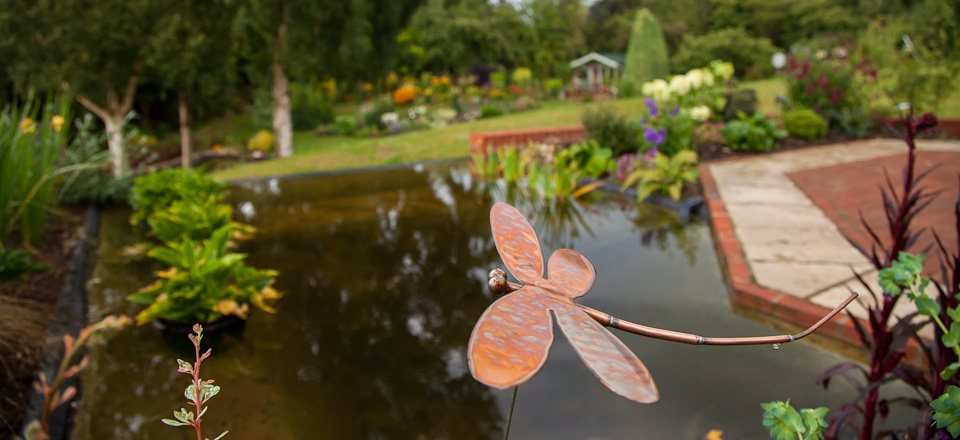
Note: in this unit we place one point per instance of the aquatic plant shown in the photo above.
(158, 190)
(204, 282)
(668, 175)
(199, 391)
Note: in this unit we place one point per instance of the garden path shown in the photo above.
(787, 225)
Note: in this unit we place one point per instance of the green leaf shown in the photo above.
(184, 366)
(221, 435)
(174, 422)
(782, 420)
(927, 306)
(945, 411)
(950, 370)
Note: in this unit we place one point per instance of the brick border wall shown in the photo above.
(485, 141)
(742, 287)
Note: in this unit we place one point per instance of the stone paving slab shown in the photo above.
(782, 253)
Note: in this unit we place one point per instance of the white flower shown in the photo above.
(700, 113)
(679, 85)
(658, 89)
(390, 118)
(903, 106)
(695, 78)
(821, 54)
(707, 78)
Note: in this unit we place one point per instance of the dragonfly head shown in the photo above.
(497, 282)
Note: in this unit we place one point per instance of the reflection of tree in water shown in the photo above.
(658, 226)
(383, 289)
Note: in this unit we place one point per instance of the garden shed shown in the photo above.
(593, 71)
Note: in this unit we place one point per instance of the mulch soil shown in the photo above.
(42, 290)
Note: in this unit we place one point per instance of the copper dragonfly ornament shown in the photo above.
(512, 338)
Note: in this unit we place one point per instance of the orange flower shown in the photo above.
(404, 94)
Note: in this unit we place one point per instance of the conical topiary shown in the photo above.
(647, 57)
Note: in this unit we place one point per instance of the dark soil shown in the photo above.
(37, 293)
(713, 151)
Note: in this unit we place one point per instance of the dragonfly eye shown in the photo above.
(497, 281)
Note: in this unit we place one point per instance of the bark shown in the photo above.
(282, 124)
(186, 147)
(113, 114)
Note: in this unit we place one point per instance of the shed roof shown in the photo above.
(612, 60)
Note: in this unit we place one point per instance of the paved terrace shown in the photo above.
(788, 229)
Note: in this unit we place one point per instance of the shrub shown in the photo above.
(610, 129)
(667, 176)
(668, 132)
(804, 123)
(647, 57)
(827, 86)
(490, 110)
(91, 184)
(158, 190)
(345, 125)
(752, 133)
(590, 157)
(372, 113)
(731, 44)
(309, 106)
(262, 141)
(204, 283)
(739, 101)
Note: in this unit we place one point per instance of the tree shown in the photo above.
(647, 52)
(315, 39)
(558, 32)
(192, 55)
(95, 50)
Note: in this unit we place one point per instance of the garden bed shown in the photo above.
(26, 307)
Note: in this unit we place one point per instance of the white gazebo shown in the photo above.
(593, 70)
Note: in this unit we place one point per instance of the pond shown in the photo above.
(384, 275)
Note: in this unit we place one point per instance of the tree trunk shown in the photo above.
(282, 125)
(183, 109)
(118, 155)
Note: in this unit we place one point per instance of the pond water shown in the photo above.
(385, 275)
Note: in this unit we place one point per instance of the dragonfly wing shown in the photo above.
(569, 273)
(510, 342)
(609, 359)
(517, 243)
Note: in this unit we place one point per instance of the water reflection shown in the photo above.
(385, 276)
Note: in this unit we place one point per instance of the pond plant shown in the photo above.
(203, 281)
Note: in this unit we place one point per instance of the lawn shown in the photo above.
(322, 153)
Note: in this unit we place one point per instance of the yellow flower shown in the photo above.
(27, 126)
(367, 87)
(57, 122)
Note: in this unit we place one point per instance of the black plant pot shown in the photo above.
(224, 324)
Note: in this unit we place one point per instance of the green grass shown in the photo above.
(314, 153)
(767, 92)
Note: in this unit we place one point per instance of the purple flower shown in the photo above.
(652, 105)
(655, 137)
(643, 122)
(676, 111)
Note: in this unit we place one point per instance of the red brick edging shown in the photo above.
(747, 293)
(482, 142)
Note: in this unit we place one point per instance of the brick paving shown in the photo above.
(781, 224)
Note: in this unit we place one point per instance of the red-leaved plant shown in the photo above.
(198, 392)
(886, 341)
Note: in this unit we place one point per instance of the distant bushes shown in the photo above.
(750, 55)
(647, 57)
(610, 129)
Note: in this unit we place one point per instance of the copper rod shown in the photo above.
(608, 320)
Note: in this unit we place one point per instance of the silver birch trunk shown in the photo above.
(186, 147)
(118, 154)
(282, 124)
